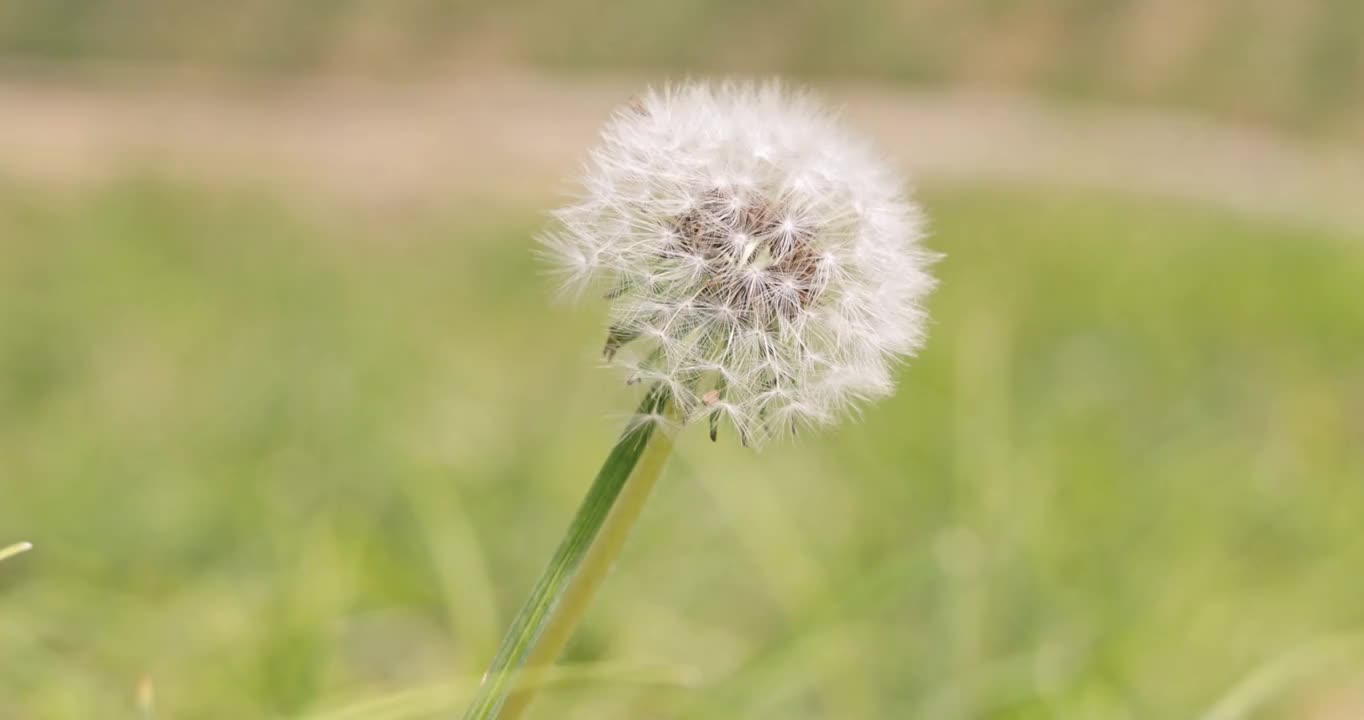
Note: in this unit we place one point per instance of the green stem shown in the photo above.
(592, 543)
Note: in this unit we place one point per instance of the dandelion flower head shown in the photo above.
(762, 265)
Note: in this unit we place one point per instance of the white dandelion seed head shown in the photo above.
(762, 264)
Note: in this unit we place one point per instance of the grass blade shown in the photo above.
(15, 549)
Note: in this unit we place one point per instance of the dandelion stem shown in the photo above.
(593, 541)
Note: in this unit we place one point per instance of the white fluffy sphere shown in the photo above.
(763, 265)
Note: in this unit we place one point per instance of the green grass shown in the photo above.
(1292, 63)
(288, 462)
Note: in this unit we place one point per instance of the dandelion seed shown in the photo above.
(750, 244)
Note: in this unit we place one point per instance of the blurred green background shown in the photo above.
(1297, 62)
(293, 451)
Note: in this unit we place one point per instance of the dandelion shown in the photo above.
(763, 270)
(762, 265)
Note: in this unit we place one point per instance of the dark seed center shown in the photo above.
(756, 263)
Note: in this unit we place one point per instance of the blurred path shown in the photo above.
(515, 137)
